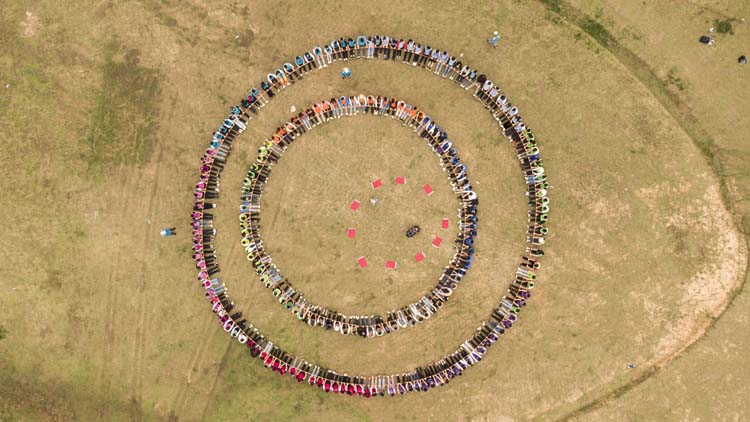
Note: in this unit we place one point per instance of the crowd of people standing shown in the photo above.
(445, 65)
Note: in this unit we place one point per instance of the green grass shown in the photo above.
(156, 7)
(674, 80)
(552, 5)
(8, 415)
(597, 31)
(99, 278)
(124, 119)
(724, 26)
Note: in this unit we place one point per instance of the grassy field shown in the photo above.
(642, 133)
(308, 202)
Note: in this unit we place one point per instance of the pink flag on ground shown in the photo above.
(355, 205)
(420, 256)
(427, 189)
(350, 232)
(445, 223)
(400, 180)
(362, 261)
(436, 242)
(390, 264)
(378, 183)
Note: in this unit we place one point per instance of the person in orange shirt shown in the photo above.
(285, 138)
(400, 110)
(414, 114)
(335, 108)
(318, 113)
(326, 109)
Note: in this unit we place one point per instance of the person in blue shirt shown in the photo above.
(427, 52)
(346, 73)
(494, 39)
(336, 48)
(262, 100)
(309, 61)
(434, 57)
(449, 67)
(172, 231)
(281, 76)
(442, 62)
(344, 49)
(290, 70)
(319, 57)
(361, 44)
(471, 79)
(351, 47)
(265, 86)
(417, 54)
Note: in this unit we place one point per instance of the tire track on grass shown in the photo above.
(139, 339)
(211, 391)
(180, 399)
(209, 328)
(105, 374)
(680, 112)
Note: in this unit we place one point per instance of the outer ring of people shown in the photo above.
(502, 317)
(367, 326)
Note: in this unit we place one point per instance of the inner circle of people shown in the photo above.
(502, 317)
(437, 139)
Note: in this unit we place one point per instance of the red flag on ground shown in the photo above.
(350, 232)
(355, 205)
(445, 223)
(427, 189)
(362, 261)
(436, 242)
(378, 183)
(420, 256)
(390, 264)
(400, 180)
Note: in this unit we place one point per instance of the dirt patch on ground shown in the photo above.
(30, 25)
(706, 293)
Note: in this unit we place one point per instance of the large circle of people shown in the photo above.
(410, 52)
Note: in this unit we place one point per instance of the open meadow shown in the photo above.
(643, 131)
